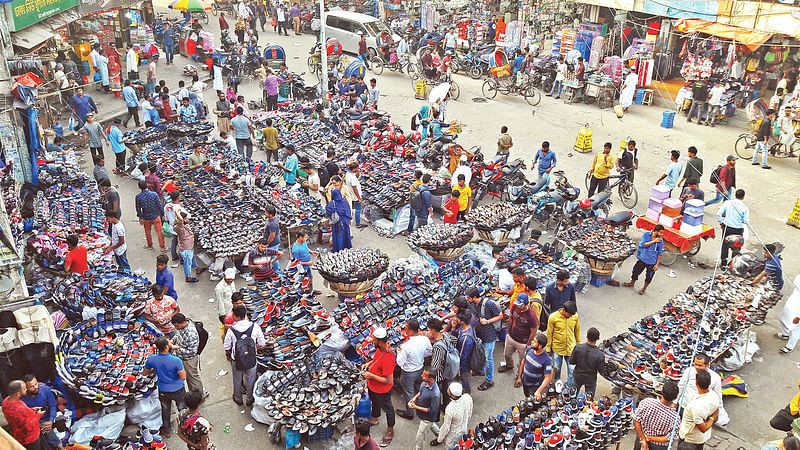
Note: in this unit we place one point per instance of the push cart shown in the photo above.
(603, 94)
(675, 242)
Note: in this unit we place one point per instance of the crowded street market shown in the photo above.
(399, 258)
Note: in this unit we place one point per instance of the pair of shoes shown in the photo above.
(505, 368)
(485, 385)
(238, 402)
(766, 167)
(785, 350)
(191, 280)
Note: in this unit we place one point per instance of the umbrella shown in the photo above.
(190, 5)
(439, 92)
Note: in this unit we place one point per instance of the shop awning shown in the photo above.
(749, 38)
(34, 35)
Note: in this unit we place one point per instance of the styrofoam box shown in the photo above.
(671, 212)
(652, 214)
(667, 221)
(673, 203)
(691, 230)
(692, 219)
(660, 191)
(694, 207)
(655, 204)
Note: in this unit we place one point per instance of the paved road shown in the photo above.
(771, 195)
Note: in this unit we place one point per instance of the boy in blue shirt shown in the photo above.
(650, 248)
(164, 277)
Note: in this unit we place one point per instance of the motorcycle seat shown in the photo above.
(540, 183)
(620, 217)
(599, 199)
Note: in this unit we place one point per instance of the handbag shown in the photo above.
(334, 218)
(166, 230)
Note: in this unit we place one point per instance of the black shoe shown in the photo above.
(754, 164)
(250, 402)
(238, 402)
(766, 167)
(405, 414)
(505, 368)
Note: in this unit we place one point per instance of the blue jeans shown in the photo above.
(276, 265)
(365, 59)
(149, 88)
(721, 196)
(169, 51)
(760, 145)
(558, 86)
(489, 349)
(357, 207)
(122, 262)
(174, 248)
(421, 220)
(557, 360)
(188, 262)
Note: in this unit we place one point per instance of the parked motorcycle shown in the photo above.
(750, 264)
(299, 90)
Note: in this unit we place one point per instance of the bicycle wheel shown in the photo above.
(205, 17)
(455, 91)
(745, 146)
(312, 65)
(532, 95)
(779, 150)
(628, 194)
(489, 88)
(214, 9)
(377, 65)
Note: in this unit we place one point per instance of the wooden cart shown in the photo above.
(675, 242)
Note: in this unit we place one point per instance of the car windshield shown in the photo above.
(376, 28)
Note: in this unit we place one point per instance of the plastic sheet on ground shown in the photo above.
(104, 423)
(146, 411)
(740, 354)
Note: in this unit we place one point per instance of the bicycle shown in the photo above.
(625, 189)
(507, 85)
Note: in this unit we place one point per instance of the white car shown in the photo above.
(347, 27)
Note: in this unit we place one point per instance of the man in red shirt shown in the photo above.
(23, 421)
(379, 374)
(451, 208)
(76, 260)
(236, 299)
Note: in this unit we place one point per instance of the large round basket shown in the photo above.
(601, 267)
(351, 289)
(486, 236)
(446, 255)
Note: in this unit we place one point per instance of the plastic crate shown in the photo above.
(659, 191)
(693, 219)
(694, 207)
(655, 204)
(667, 119)
(322, 434)
(653, 214)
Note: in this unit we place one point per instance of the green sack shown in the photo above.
(166, 230)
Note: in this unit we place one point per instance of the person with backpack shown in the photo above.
(536, 302)
(420, 203)
(242, 341)
(465, 344)
(536, 371)
(522, 327)
(186, 346)
(560, 291)
(170, 373)
(489, 319)
(445, 362)
(724, 179)
(379, 374)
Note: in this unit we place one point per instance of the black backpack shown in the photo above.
(324, 177)
(715, 175)
(202, 335)
(544, 315)
(245, 349)
(416, 199)
(477, 359)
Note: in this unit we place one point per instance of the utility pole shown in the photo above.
(323, 52)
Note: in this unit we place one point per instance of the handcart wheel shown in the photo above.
(455, 91)
(377, 65)
(696, 248)
(532, 95)
(668, 258)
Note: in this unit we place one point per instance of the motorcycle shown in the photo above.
(299, 90)
(478, 61)
(504, 181)
(747, 265)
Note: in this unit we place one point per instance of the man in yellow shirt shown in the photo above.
(464, 197)
(270, 137)
(563, 334)
(601, 169)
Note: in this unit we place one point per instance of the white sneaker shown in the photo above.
(175, 264)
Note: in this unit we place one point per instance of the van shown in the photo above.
(347, 27)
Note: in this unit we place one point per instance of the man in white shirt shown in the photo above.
(702, 362)
(118, 246)
(352, 182)
(558, 84)
(463, 169)
(714, 102)
(699, 416)
(243, 375)
(410, 358)
(132, 63)
(223, 293)
(244, 11)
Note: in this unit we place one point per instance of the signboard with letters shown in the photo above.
(24, 13)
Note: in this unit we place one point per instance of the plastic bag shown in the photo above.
(146, 411)
(71, 125)
(108, 424)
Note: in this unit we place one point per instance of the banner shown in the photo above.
(24, 13)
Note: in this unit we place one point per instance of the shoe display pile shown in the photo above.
(599, 240)
(49, 248)
(659, 346)
(139, 136)
(294, 323)
(102, 360)
(563, 420)
(69, 197)
(294, 207)
(543, 261)
(102, 288)
(441, 236)
(492, 216)
(392, 304)
(352, 265)
(312, 394)
(180, 129)
(310, 137)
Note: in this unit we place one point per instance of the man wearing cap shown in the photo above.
(456, 416)
(186, 342)
(379, 374)
(410, 358)
(223, 292)
(725, 181)
(536, 372)
(171, 375)
(563, 333)
(522, 326)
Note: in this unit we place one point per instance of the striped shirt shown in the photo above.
(438, 356)
(656, 418)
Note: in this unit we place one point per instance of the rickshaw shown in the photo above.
(501, 79)
(356, 68)
(222, 6)
(274, 56)
(334, 51)
(746, 144)
(419, 76)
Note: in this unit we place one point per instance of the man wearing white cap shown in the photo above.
(456, 416)
(463, 169)
(379, 374)
(223, 292)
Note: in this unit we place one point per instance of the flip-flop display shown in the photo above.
(49, 248)
(659, 346)
(544, 261)
(599, 240)
(352, 265)
(441, 236)
(493, 216)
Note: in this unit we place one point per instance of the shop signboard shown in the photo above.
(683, 9)
(25, 13)
(91, 6)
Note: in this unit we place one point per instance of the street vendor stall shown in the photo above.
(675, 242)
(603, 245)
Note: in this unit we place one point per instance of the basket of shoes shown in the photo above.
(443, 242)
(352, 268)
(494, 216)
(603, 245)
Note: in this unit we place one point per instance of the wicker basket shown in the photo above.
(446, 255)
(351, 289)
(600, 267)
(486, 236)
